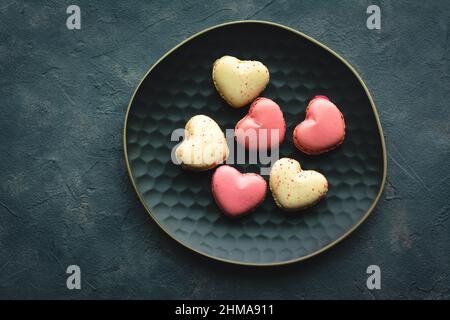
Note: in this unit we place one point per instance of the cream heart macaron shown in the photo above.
(293, 188)
(204, 145)
(239, 82)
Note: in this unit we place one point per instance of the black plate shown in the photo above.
(179, 86)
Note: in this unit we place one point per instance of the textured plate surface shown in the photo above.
(179, 86)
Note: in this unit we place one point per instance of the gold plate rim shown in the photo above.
(374, 109)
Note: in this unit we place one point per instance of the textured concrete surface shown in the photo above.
(65, 197)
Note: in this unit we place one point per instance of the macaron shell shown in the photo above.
(323, 128)
(239, 82)
(263, 114)
(236, 193)
(293, 188)
(204, 145)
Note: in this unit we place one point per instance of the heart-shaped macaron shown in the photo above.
(204, 145)
(323, 128)
(239, 82)
(263, 121)
(236, 193)
(293, 188)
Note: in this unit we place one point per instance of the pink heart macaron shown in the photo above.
(237, 193)
(263, 123)
(323, 128)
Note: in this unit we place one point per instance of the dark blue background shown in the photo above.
(65, 197)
